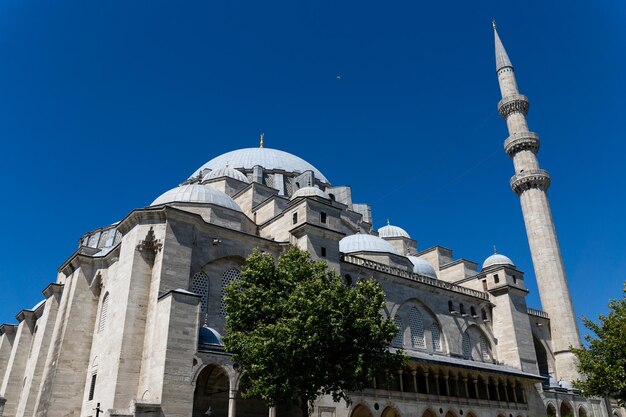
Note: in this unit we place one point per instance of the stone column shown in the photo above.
(7, 337)
(13, 381)
(272, 412)
(232, 402)
(414, 374)
(401, 381)
(427, 382)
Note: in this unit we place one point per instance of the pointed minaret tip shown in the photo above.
(262, 144)
(502, 59)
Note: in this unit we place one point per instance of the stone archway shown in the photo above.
(450, 414)
(582, 412)
(390, 412)
(361, 411)
(566, 409)
(551, 410)
(212, 387)
(429, 413)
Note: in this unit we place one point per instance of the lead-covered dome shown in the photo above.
(365, 243)
(497, 259)
(422, 267)
(268, 158)
(392, 231)
(225, 171)
(310, 192)
(196, 193)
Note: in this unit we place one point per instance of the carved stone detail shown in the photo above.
(150, 245)
(535, 178)
(512, 104)
(526, 141)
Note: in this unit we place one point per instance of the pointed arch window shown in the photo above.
(398, 341)
(228, 278)
(467, 346)
(416, 322)
(104, 311)
(200, 285)
(435, 332)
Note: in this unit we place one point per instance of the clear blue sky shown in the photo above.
(105, 105)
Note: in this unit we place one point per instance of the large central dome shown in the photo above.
(267, 158)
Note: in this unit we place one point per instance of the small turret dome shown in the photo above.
(365, 243)
(497, 259)
(310, 192)
(422, 267)
(226, 171)
(196, 193)
(209, 336)
(392, 231)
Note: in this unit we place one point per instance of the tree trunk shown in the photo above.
(304, 406)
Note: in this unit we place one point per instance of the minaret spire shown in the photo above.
(502, 58)
(531, 183)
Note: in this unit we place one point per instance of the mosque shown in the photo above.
(133, 324)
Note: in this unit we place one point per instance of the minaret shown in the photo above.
(531, 183)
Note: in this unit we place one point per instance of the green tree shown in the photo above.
(298, 332)
(603, 362)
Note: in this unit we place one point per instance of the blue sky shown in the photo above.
(105, 105)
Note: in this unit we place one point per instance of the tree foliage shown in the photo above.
(298, 332)
(603, 362)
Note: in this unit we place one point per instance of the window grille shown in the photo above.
(416, 322)
(92, 387)
(436, 334)
(467, 347)
(229, 277)
(104, 311)
(398, 341)
(200, 285)
(484, 349)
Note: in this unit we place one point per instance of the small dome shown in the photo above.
(226, 171)
(497, 259)
(209, 336)
(392, 231)
(422, 267)
(310, 192)
(365, 243)
(196, 193)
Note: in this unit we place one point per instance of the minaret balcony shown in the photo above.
(516, 103)
(530, 178)
(525, 141)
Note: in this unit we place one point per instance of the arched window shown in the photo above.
(483, 313)
(200, 285)
(467, 346)
(462, 309)
(436, 335)
(451, 307)
(416, 322)
(398, 341)
(348, 281)
(104, 311)
(485, 349)
(473, 311)
(229, 277)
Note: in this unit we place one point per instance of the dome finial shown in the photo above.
(388, 221)
(262, 139)
(493, 23)
(494, 250)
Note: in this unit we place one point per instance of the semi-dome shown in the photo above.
(268, 158)
(422, 267)
(196, 193)
(209, 336)
(392, 231)
(365, 243)
(310, 192)
(226, 171)
(497, 259)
